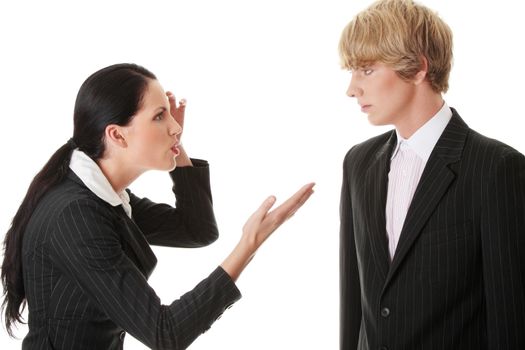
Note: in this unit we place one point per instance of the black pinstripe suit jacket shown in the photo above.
(86, 266)
(457, 280)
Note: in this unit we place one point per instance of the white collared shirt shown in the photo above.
(89, 172)
(406, 167)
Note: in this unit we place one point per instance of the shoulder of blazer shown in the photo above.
(491, 147)
(53, 204)
(69, 191)
(371, 146)
(363, 154)
(501, 148)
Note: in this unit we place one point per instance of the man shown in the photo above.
(432, 213)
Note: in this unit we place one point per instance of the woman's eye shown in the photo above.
(367, 71)
(158, 116)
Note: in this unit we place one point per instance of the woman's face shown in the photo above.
(152, 135)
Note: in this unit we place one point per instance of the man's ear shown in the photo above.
(422, 73)
(115, 136)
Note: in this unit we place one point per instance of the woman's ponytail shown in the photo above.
(51, 174)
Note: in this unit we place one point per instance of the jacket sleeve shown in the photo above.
(503, 253)
(86, 247)
(350, 290)
(192, 222)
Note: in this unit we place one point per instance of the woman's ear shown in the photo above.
(422, 73)
(115, 136)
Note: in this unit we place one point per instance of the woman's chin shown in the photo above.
(167, 165)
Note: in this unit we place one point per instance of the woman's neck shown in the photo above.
(118, 173)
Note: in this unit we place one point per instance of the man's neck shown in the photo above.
(424, 106)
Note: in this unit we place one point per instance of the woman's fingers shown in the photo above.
(265, 207)
(172, 100)
(258, 215)
(279, 215)
(177, 112)
(292, 204)
(300, 203)
(262, 222)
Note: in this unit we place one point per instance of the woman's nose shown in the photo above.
(175, 128)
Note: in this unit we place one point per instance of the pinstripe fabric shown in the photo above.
(457, 280)
(86, 265)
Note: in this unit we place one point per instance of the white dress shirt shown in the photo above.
(406, 166)
(89, 172)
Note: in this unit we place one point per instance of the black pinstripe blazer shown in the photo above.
(86, 266)
(457, 280)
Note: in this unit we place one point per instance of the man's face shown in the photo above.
(382, 94)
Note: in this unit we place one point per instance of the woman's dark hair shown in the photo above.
(111, 95)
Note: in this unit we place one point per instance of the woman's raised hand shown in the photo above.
(177, 111)
(263, 222)
(260, 225)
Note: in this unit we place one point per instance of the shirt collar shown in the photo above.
(422, 142)
(89, 172)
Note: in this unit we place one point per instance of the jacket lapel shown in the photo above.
(376, 190)
(134, 243)
(435, 180)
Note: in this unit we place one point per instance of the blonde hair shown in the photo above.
(399, 33)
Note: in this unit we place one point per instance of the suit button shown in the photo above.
(383, 348)
(385, 312)
(122, 335)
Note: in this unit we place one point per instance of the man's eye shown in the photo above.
(367, 71)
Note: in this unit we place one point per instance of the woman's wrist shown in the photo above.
(238, 259)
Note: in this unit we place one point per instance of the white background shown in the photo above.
(266, 107)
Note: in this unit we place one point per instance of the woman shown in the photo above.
(78, 249)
